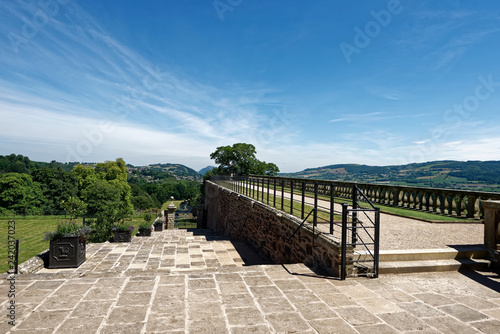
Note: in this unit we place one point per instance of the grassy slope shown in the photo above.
(31, 232)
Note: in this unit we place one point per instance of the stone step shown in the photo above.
(430, 260)
(404, 267)
(458, 252)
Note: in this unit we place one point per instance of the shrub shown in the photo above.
(101, 229)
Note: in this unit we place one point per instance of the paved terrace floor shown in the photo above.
(180, 282)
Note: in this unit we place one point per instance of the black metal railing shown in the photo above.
(315, 203)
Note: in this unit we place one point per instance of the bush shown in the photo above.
(101, 229)
(145, 225)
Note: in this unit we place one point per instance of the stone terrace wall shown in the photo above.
(242, 218)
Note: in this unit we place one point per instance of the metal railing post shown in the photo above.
(377, 241)
(263, 191)
(354, 215)
(258, 187)
(282, 193)
(291, 197)
(274, 195)
(16, 259)
(303, 199)
(253, 188)
(332, 206)
(247, 186)
(343, 261)
(315, 217)
(268, 180)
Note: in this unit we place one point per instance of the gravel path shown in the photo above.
(407, 233)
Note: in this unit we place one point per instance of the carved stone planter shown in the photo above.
(144, 232)
(158, 225)
(66, 252)
(122, 236)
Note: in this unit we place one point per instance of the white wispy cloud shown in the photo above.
(356, 117)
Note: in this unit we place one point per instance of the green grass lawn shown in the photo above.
(30, 232)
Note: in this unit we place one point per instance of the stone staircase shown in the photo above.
(178, 251)
(471, 257)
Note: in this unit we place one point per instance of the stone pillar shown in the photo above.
(491, 224)
(200, 216)
(170, 215)
(471, 206)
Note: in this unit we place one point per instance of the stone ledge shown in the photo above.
(33, 265)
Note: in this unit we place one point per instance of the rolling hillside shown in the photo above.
(470, 175)
(163, 171)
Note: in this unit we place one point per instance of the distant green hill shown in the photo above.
(469, 175)
(20, 164)
(203, 171)
(164, 171)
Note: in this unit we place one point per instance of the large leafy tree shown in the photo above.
(57, 186)
(105, 190)
(18, 193)
(241, 159)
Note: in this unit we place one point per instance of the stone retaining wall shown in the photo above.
(242, 218)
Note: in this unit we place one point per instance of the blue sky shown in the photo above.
(309, 83)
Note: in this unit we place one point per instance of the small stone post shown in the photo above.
(491, 224)
(492, 232)
(170, 214)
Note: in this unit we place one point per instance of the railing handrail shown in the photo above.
(451, 202)
(495, 194)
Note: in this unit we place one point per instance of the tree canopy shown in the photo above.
(240, 159)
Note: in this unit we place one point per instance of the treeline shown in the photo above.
(20, 164)
(481, 171)
(28, 187)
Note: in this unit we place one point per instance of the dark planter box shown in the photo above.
(158, 226)
(66, 252)
(122, 236)
(144, 232)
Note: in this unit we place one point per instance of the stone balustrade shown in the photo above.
(451, 202)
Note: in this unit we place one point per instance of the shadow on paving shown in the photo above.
(251, 255)
(486, 278)
(248, 252)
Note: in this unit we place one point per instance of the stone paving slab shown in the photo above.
(108, 295)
